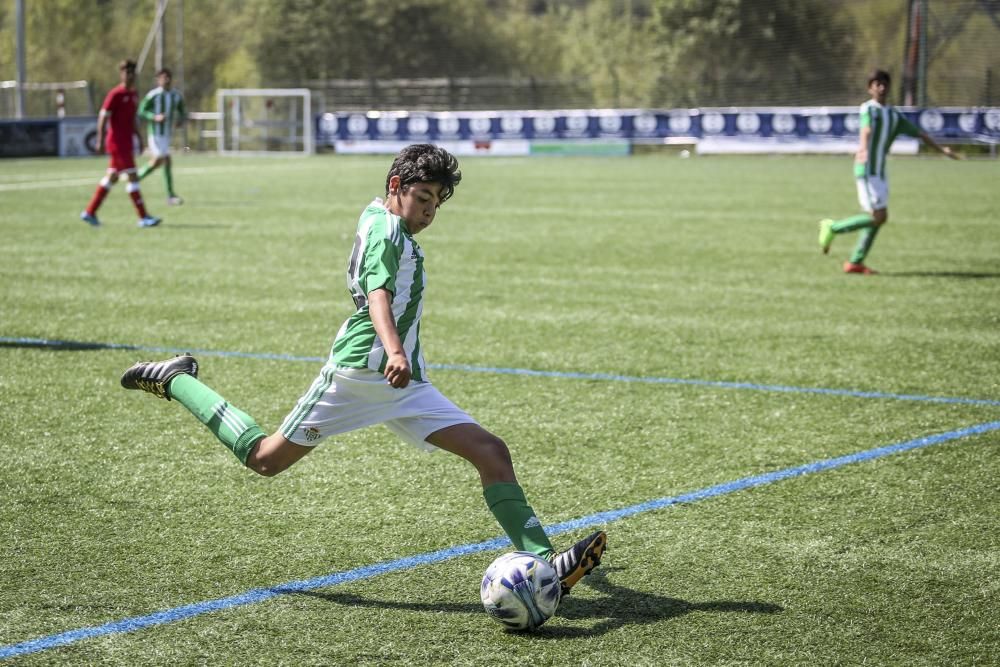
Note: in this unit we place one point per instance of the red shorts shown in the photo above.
(122, 158)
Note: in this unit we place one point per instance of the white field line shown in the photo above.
(22, 184)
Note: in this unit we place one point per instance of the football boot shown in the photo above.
(155, 376)
(577, 561)
(851, 267)
(826, 235)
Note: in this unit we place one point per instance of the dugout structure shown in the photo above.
(265, 121)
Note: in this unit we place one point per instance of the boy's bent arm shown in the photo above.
(397, 367)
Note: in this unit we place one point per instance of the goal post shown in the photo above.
(265, 121)
(47, 99)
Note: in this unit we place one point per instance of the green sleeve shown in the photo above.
(907, 127)
(865, 117)
(381, 262)
(146, 108)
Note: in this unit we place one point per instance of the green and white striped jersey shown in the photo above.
(168, 102)
(886, 123)
(384, 255)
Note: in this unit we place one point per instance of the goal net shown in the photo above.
(47, 99)
(256, 121)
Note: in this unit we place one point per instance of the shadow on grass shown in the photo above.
(620, 607)
(62, 345)
(965, 275)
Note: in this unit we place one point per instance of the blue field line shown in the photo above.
(499, 370)
(261, 594)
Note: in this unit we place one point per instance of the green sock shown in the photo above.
(144, 171)
(168, 177)
(864, 244)
(233, 427)
(507, 503)
(859, 221)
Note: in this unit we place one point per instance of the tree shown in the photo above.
(603, 46)
(743, 52)
(325, 39)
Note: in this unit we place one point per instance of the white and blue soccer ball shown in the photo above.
(520, 590)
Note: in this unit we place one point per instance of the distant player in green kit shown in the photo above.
(376, 372)
(880, 125)
(163, 110)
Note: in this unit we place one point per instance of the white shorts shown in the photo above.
(159, 145)
(346, 399)
(873, 193)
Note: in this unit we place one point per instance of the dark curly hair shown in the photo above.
(425, 163)
(879, 75)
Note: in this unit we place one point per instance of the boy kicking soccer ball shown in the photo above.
(880, 125)
(376, 372)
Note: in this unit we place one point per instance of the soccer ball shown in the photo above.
(520, 590)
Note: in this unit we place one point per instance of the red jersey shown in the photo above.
(121, 104)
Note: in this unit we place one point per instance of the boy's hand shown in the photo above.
(397, 370)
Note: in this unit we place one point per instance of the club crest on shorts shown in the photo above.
(312, 433)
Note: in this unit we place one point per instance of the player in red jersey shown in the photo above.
(118, 113)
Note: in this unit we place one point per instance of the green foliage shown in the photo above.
(239, 70)
(749, 52)
(317, 39)
(627, 71)
(220, 44)
(624, 53)
(67, 42)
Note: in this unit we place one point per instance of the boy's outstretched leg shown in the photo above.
(177, 379)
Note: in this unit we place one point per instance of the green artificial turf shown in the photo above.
(675, 316)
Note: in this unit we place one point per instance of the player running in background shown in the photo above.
(376, 372)
(118, 114)
(880, 125)
(163, 109)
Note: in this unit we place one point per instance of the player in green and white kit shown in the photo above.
(880, 125)
(162, 109)
(376, 373)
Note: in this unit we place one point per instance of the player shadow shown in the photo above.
(962, 275)
(618, 607)
(63, 345)
(351, 600)
(622, 606)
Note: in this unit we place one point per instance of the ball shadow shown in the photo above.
(618, 607)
